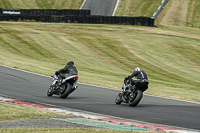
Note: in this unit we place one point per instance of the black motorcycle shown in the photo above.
(64, 87)
(132, 94)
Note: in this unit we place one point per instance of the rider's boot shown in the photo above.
(129, 90)
(123, 90)
(133, 87)
(59, 82)
(75, 87)
(58, 85)
(131, 95)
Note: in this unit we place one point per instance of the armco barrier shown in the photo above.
(157, 12)
(69, 16)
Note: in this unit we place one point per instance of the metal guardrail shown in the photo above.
(156, 13)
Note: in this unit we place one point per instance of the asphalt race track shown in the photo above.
(100, 7)
(33, 88)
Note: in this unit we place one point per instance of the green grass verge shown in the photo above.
(136, 8)
(14, 112)
(176, 13)
(41, 4)
(180, 13)
(10, 112)
(105, 54)
(193, 15)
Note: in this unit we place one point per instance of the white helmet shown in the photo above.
(137, 69)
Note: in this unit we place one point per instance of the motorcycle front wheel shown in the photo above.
(118, 99)
(137, 96)
(50, 91)
(66, 91)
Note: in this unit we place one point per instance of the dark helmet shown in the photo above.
(70, 63)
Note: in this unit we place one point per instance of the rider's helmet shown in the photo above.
(70, 63)
(137, 69)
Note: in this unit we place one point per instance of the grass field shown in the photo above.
(180, 13)
(41, 4)
(135, 8)
(105, 54)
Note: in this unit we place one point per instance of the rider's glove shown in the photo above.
(56, 73)
(125, 78)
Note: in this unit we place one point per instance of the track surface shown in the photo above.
(31, 87)
(100, 7)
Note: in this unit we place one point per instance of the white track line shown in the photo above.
(83, 4)
(115, 7)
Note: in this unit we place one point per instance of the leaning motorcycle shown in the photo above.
(132, 94)
(68, 85)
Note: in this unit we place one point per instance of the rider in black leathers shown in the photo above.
(141, 78)
(68, 70)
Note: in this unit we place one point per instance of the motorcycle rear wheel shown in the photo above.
(66, 92)
(138, 94)
(118, 99)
